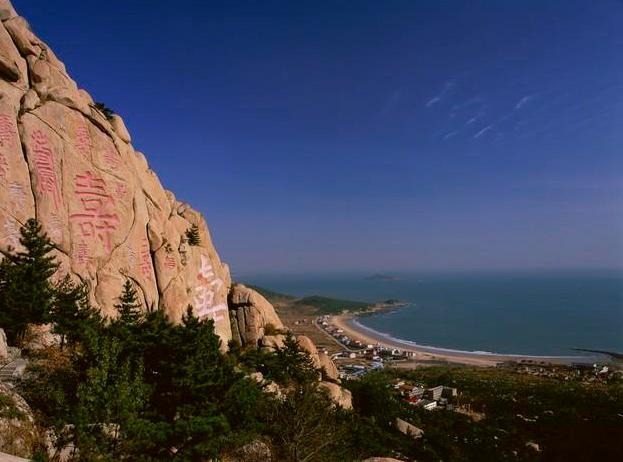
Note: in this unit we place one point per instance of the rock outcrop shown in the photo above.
(18, 432)
(252, 316)
(340, 396)
(68, 162)
(321, 360)
(408, 429)
(65, 163)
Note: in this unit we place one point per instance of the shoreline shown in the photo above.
(352, 328)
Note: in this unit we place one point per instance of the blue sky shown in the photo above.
(370, 135)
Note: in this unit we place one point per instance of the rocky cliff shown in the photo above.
(63, 161)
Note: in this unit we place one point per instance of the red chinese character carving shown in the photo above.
(97, 217)
(17, 195)
(83, 254)
(7, 130)
(145, 260)
(45, 169)
(83, 140)
(4, 167)
(111, 158)
(169, 262)
(120, 190)
(131, 254)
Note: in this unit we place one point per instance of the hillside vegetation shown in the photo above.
(322, 305)
(140, 388)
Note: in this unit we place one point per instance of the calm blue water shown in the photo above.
(538, 313)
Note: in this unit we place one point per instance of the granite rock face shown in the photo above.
(19, 434)
(65, 163)
(340, 396)
(251, 315)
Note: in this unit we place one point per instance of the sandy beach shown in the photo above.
(348, 323)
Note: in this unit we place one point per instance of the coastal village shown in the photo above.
(356, 359)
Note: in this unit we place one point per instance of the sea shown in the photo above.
(540, 313)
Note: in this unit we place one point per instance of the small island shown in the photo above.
(382, 277)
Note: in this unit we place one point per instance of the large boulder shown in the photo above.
(329, 367)
(65, 163)
(18, 432)
(255, 451)
(252, 316)
(320, 360)
(308, 346)
(340, 396)
(408, 429)
(272, 342)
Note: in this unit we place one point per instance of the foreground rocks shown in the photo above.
(252, 316)
(74, 168)
(408, 429)
(256, 451)
(18, 432)
(340, 396)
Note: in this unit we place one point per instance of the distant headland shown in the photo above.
(382, 277)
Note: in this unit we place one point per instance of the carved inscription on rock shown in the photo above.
(111, 157)
(45, 167)
(7, 131)
(83, 139)
(145, 265)
(4, 168)
(82, 253)
(97, 218)
(17, 196)
(204, 293)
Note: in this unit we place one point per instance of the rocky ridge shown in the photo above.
(66, 162)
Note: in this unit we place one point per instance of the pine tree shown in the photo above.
(108, 401)
(129, 309)
(192, 234)
(294, 362)
(73, 316)
(26, 293)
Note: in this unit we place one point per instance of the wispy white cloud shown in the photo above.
(523, 101)
(471, 121)
(432, 101)
(447, 87)
(450, 135)
(483, 131)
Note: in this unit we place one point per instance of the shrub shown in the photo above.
(108, 113)
(192, 234)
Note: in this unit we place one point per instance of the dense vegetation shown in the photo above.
(322, 305)
(140, 388)
(325, 305)
(569, 420)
